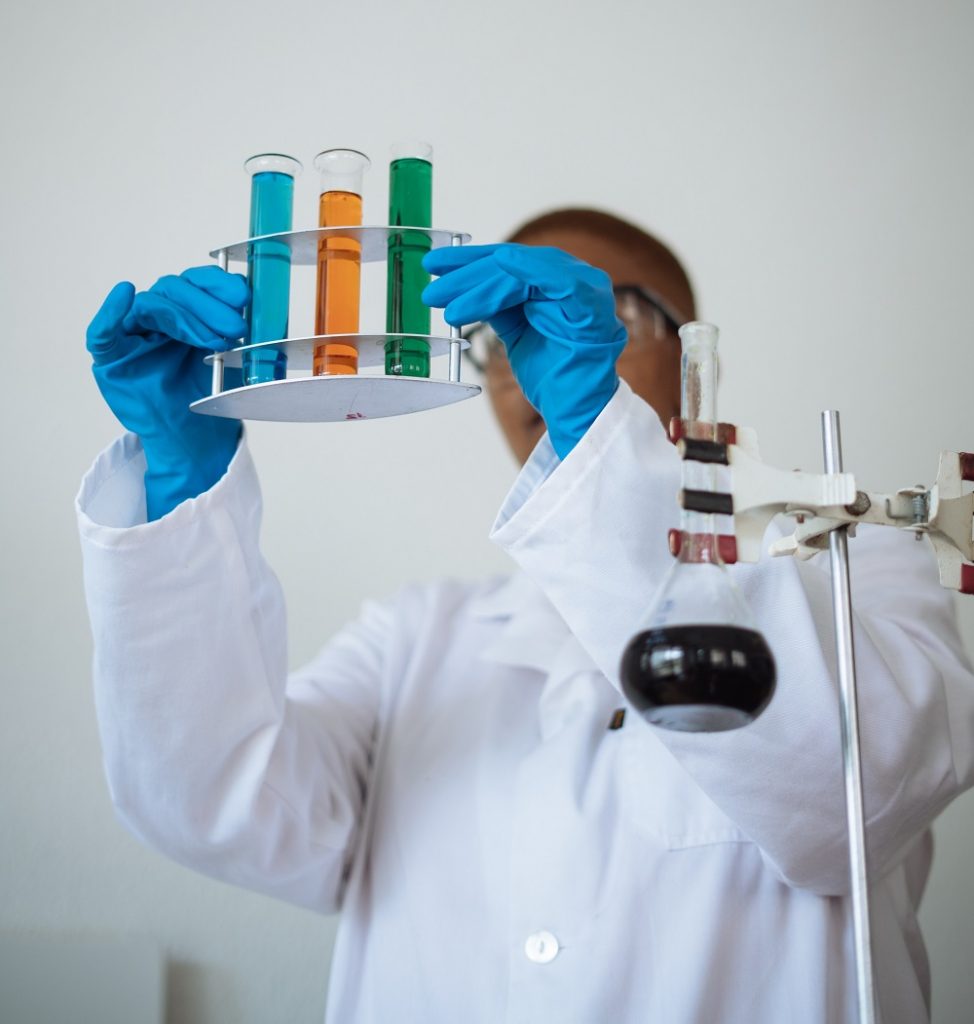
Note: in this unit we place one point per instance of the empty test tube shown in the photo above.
(410, 205)
(269, 263)
(339, 258)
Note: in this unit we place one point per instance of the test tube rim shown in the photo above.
(298, 166)
(406, 149)
(342, 149)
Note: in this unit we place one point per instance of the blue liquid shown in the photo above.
(269, 275)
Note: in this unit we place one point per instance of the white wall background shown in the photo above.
(813, 163)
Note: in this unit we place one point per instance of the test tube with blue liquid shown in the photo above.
(269, 263)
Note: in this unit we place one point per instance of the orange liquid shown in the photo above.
(339, 271)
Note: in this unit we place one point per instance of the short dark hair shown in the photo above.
(607, 225)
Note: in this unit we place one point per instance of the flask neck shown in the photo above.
(698, 409)
(699, 543)
(698, 380)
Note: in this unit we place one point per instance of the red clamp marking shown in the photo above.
(726, 432)
(967, 578)
(355, 416)
(726, 546)
(966, 465)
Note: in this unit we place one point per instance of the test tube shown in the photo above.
(269, 263)
(339, 258)
(411, 205)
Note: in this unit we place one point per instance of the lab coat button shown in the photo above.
(541, 948)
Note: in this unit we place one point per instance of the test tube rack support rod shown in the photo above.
(326, 398)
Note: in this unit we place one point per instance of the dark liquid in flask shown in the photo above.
(698, 678)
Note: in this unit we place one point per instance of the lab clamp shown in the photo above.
(823, 503)
(700, 664)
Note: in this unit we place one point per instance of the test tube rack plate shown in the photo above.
(330, 398)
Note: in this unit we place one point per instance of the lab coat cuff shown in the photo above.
(546, 482)
(593, 534)
(542, 462)
(110, 504)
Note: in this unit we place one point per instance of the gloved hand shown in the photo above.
(556, 317)
(148, 350)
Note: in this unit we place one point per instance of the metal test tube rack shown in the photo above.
(328, 398)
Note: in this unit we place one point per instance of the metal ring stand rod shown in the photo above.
(851, 748)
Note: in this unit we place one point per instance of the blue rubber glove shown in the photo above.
(556, 316)
(148, 351)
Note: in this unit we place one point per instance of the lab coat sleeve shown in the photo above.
(213, 755)
(591, 531)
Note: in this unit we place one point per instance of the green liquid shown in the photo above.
(410, 203)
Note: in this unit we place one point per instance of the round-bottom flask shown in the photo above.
(699, 664)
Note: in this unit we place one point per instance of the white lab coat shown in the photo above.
(443, 771)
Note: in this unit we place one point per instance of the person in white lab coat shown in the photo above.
(449, 771)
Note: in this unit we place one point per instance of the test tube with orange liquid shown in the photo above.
(339, 258)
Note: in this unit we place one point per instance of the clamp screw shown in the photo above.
(920, 504)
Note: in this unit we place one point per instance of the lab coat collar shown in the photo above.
(530, 634)
(534, 635)
(506, 596)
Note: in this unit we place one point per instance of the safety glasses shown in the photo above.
(648, 318)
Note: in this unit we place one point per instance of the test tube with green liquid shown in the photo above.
(410, 205)
(269, 263)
